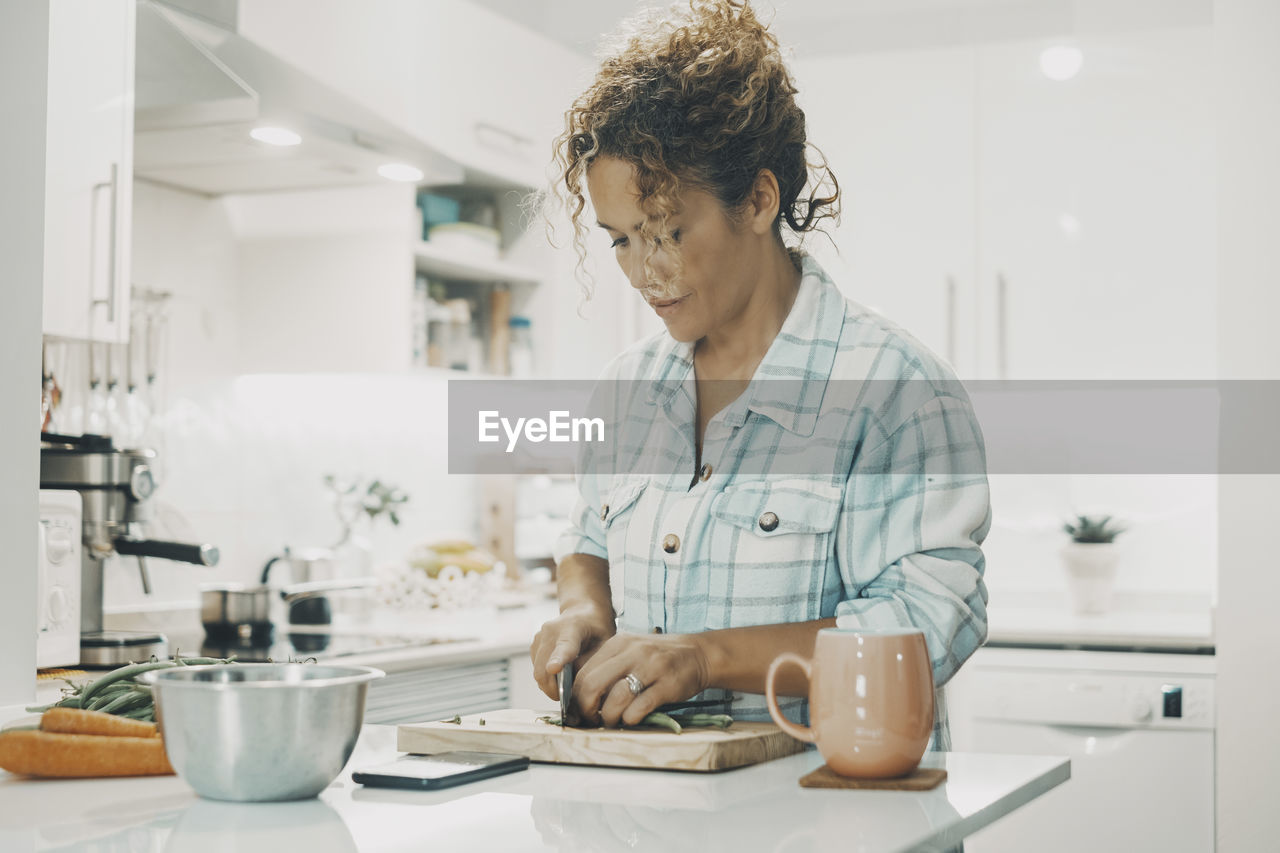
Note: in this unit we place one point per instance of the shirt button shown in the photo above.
(604, 512)
(768, 522)
(705, 473)
(671, 543)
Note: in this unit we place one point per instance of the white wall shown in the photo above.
(1248, 37)
(24, 37)
(244, 446)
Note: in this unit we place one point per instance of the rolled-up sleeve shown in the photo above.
(585, 534)
(917, 508)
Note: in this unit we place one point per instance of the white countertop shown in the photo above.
(760, 808)
(1148, 622)
(473, 634)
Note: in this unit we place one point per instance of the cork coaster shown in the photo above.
(920, 779)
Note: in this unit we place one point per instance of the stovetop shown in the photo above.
(283, 645)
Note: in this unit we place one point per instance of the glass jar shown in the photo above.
(459, 350)
(521, 347)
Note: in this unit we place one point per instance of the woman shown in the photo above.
(776, 503)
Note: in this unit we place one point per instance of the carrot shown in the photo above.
(36, 753)
(73, 721)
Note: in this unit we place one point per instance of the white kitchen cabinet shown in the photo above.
(486, 105)
(89, 169)
(1095, 210)
(897, 131)
(438, 692)
(466, 80)
(1026, 228)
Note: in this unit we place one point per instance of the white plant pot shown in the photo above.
(1091, 574)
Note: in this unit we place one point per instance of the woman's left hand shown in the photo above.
(671, 668)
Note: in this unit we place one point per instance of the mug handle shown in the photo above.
(799, 732)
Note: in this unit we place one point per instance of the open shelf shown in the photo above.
(444, 263)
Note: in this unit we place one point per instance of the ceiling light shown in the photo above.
(1061, 62)
(275, 136)
(400, 172)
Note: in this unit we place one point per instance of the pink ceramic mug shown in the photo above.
(870, 700)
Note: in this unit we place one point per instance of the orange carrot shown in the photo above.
(73, 721)
(37, 753)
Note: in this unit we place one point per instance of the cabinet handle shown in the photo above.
(951, 320)
(113, 185)
(1002, 326)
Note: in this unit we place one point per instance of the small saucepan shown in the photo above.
(235, 610)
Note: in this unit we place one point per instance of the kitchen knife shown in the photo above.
(700, 703)
(564, 681)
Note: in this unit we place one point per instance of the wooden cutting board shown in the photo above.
(519, 732)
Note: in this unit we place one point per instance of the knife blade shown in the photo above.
(564, 682)
(700, 703)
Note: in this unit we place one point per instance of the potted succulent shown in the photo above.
(1090, 559)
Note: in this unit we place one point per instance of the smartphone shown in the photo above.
(444, 770)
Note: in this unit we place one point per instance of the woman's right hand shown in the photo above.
(574, 635)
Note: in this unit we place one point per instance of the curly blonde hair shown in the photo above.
(697, 97)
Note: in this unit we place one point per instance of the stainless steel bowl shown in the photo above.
(260, 732)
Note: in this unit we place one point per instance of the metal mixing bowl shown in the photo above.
(260, 732)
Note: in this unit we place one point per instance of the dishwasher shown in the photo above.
(1138, 728)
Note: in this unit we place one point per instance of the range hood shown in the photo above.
(201, 87)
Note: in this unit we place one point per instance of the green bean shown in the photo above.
(719, 721)
(135, 669)
(665, 721)
(126, 701)
(201, 661)
(68, 700)
(107, 694)
(98, 695)
(119, 675)
(106, 697)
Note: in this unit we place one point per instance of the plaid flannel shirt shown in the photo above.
(860, 530)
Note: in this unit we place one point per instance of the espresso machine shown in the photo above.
(115, 487)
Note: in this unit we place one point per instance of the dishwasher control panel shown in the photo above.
(1092, 698)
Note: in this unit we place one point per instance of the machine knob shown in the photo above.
(1140, 710)
(58, 608)
(142, 483)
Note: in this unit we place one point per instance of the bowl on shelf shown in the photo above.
(466, 238)
(260, 732)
